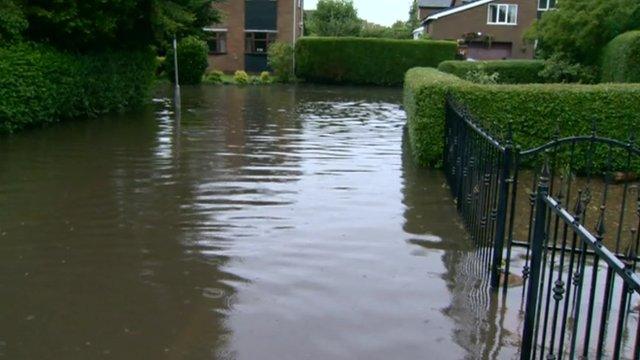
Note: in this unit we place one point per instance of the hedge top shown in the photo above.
(366, 60)
(510, 71)
(536, 111)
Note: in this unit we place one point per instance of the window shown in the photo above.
(258, 42)
(503, 14)
(544, 5)
(217, 41)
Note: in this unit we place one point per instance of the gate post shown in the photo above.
(501, 219)
(539, 235)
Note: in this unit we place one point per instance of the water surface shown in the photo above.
(268, 223)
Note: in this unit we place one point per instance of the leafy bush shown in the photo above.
(509, 71)
(241, 77)
(536, 111)
(214, 77)
(12, 21)
(192, 61)
(621, 59)
(480, 76)
(265, 77)
(40, 85)
(366, 61)
(280, 58)
(558, 69)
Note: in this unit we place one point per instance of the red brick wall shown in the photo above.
(233, 20)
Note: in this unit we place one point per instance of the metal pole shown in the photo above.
(539, 234)
(503, 198)
(177, 78)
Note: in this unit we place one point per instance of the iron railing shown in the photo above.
(578, 285)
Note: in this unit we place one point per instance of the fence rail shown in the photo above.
(579, 286)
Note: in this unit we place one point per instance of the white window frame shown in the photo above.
(498, 22)
(549, 7)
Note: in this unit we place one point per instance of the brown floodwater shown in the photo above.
(268, 223)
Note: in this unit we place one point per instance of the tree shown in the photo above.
(88, 25)
(335, 18)
(414, 16)
(578, 30)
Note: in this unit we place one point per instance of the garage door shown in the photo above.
(497, 51)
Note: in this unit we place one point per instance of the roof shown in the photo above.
(456, 10)
(434, 3)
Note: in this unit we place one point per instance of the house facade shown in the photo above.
(247, 29)
(486, 29)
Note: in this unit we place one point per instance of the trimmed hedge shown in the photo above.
(621, 59)
(366, 61)
(510, 71)
(40, 85)
(536, 111)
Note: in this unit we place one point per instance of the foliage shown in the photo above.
(557, 69)
(90, 25)
(399, 30)
(481, 76)
(414, 16)
(280, 58)
(537, 112)
(265, 77)
(213, 77)
(580, 29)
(12, 21)
(160, 66)
(366, 61)
(510, 71)
(40, 85)
(192, 61)
(334, 18)
(241, 77)
(621, 59)
(425, 90)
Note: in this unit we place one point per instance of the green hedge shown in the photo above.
(510, 71)
(621, 59)
(536, 111)
(192, 61)
(366, 61)
(40, 85)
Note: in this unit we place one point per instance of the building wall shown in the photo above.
(233, 13)
(454, 26)
(426, 11)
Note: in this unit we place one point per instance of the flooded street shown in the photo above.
(269, 223)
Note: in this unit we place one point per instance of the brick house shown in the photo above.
(248, 27)
(488, 29)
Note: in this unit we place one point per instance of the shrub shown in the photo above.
(265, 77)
(509, 71)
(366, 61)
(536, 111)
(40, 85)
(280, 58)
(621, 59)
(482, 77)
(241, 77)
(214, 77)
(558, 69)
(192, 61)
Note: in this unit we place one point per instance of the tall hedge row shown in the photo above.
(366, 61)
(536, 111)
(509, 71)
(621, 59)
(40, 85)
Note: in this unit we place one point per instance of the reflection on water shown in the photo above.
(272, 223)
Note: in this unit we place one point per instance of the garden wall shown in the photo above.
(366, 61)
(537, 112)
(40, 85)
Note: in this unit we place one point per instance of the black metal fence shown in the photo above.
(579, 287)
